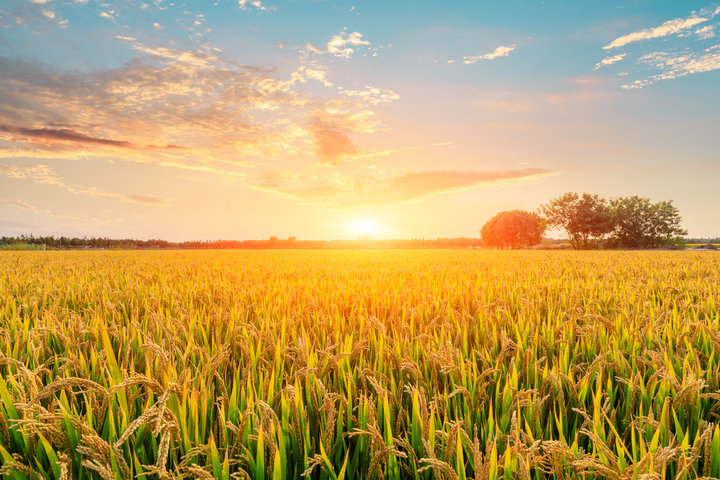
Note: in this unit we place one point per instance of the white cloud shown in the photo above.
(706, 32)
(49, 14)
(338, 44)
(609, 61)
(676, 65)
(247, 4)
(501, 51)
(371, 95)
(44, 175)
(668, 28)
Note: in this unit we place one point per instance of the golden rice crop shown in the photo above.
(359, 364)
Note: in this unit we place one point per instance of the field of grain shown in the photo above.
(359, 364)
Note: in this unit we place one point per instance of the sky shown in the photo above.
(332, 119)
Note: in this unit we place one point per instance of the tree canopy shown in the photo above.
(628, 222)
(583, 217)
(513, 229)
(639, 223)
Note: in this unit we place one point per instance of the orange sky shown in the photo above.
(330, 119)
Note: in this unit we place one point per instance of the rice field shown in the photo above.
(359, 364)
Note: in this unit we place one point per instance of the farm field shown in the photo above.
(395, 364)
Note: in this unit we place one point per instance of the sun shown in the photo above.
(364, 227)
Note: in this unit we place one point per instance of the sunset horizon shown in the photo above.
(325, 120)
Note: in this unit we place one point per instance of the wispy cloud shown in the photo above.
(44, 175)
(685, 50)
(371, 95)
(501, 51)
(19, 204)
(706, 32)
(66, 135)
(340, 45)
(22, 205)
(676, 65)
(252, 4)
(609, 61)
(332, 123)
(670, 27)
(369, 190)
(216, 110)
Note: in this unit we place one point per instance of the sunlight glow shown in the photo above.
(365, 227)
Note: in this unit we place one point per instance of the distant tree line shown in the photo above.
(69, 243)
(590, 221)
(702, 240)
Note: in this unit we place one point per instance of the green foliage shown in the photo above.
(632, 222)
(583, 217)
(639, 223)
(21, 246)
(513, 229)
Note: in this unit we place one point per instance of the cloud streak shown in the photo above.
(22, 205)
(340, 45)
(365, 190)
(676, 65)
(609, 61)
(670, 27)
(66, 135)
(42, 174)
(501, 51)
(19, 204)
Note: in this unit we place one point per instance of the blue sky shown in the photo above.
(203, 120)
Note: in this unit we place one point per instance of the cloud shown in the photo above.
(62, 135)
(183, 108)
(37, 173)
(332, 123)
(609, 61)
(248, 4)
(706, 32)
(371, 95)
(332, 143)
(201, 59)
(66, 135)
(42, 174)
(18, 204)
(670, 27)
(366, 190)
(676, 65)
(682, 56)
(340, 45)
(501, 51)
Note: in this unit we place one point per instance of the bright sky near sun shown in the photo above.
(333, 119)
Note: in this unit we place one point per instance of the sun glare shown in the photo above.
(365, 227)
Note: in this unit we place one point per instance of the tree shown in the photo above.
(639, 223)
(582, 217)
(513, 229)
